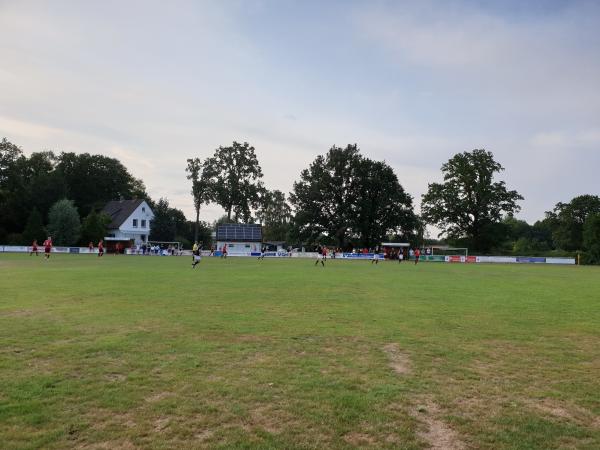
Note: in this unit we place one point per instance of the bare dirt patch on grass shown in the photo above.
(436, 433)
(359, 440)
(204, 435)
(161, 423)
(157, 397)
(398, 361)
(566, 412)
(115, 377)
(109, 445)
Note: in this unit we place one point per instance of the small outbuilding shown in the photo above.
(240, 238)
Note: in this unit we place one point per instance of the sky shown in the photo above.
(153, 83)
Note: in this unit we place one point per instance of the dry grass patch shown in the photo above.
(109, 445)
(398, 361)
(436, 433)
(359, 440)
(159, 396)
(566, 411)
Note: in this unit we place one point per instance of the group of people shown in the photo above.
(47, 247)
(322, 252)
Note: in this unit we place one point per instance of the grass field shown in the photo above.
(144, 352)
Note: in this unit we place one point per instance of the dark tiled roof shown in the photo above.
(120, 210)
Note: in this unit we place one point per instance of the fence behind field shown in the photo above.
(345, 256)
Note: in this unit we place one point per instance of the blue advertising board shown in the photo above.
(531, 260)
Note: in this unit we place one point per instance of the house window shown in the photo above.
(143, 209)
(143, 223)
(134, 223)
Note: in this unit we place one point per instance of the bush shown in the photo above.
(64, 225)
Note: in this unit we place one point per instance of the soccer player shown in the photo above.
(400, 256)
(321, 255)
(196, 255)
(34, 248)
(263, 250)
(375, 258)
(100, 248)
(417, 255)
(194, 249)
(47, 247)
(224, 251)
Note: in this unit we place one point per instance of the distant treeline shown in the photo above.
(343, 199)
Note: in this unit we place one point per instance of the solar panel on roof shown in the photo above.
(239, 232)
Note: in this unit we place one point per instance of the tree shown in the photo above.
(235, 178)
(202, 191)
(13, 187)
(94, 227)
(344, 196)
(274, 214)
(163, 226)
(567, 221)
(34, 229)
(469, 203)
(9, 155)
(63, 223)
(591, 239)
(324, 196)
(94, 180)
(382, 205)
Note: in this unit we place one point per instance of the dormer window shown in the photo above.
(143, 209)
(135, 223)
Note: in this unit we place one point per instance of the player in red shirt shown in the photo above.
(47, 247)
(100, 248)
(417, 255)
(224, 251)
(34, 248)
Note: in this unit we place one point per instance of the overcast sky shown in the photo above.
(153, 83)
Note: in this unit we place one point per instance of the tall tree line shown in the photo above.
(343, 198)
(30, 186)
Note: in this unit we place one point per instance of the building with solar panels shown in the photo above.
(241, 238)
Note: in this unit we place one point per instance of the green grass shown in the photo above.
(144, 352)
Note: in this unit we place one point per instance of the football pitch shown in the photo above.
(144, 352)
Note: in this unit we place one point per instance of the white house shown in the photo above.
(130, 221)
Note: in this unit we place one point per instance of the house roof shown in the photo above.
(120, 210)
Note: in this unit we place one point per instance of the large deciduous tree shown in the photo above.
(63, 223)
(274, 213)
(324, 196)
(235, 176)
(567, 221)
(382, 206)
(169, 224)
(202, 189)
(94, 180)
(470, 203)
(591, 239)
(345, 196)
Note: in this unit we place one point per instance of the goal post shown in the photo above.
(450, 251)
